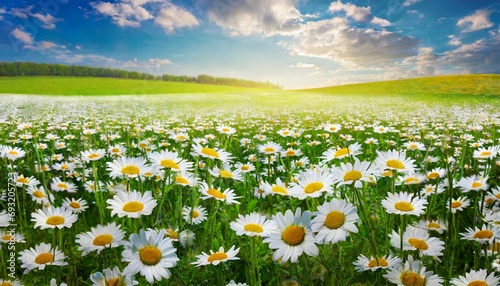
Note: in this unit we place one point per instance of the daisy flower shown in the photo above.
(413, 179)
(435, 173)
(245, 168)
(21, 181)
(99, 238)
(312, 184)
(293, 236)
(132, 204)
(486, 153)
(59, 186)
(117, 151)
(433, 225)
(186, 179)
(339, 153)
(39, 195)
(225, 172)
(53, 217)
(472, 183)
(92, 155)
(412, 273)
(111, 277)
(169, 160)
(334, 221)
(413, 146)
(227, 130)
(404, 204)
(348, 174)
(4, 218)
(150, 255)
(6, 237)
(394, 160)
(195, 215)
(290, 152)
(270, 148)
(279, 188)
(212, 153)
(419, 240)
(127, 168)
(227, 196)
(479, 278)
(187, 237)
(7, 282)
(486, 234)
(459, 204)
(364, 264)
(42, 255)
(253, 224)
(11, 153)
(215, 258)
(75, 205)
(334, 128)
(429, 190)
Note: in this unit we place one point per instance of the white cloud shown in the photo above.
(410, 2)
(245, 17)
(481, 56)
(156, 62)
(359, 14)
(47, 21)
(454, 41)
(174, 17)
(43, 45)
(122, 14)
(303, 65)
(23, 36)
(477, 21)
(2, 11)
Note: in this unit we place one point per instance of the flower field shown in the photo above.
(137, 192)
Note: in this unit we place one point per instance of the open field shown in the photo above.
(54, 85)
(262, 188)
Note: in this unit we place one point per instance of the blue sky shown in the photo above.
(295, 43)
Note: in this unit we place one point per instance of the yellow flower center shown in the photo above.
(195, 214)
(115, 150)
(352, 175)
(456, 204)
(62, 186)
(497, 196)
(172, 233)
(226, 174)
(103, 239)
(6, 283)
(181, 180)
(485, 153)
(477, 283)
(290, 153)
(113, 282)
(483, 234)
(341, 153)
(38, 194)
(395, 164)
(387, 173)
(94, 155)
(381, 262)
(216, 193)
(74, 205)
(13, 152)
(433, 225)
(150, 255)
(245, 167)
(167, 163)
(279, 190)
(432, 175)
(7, 237)
(55, 220)
(131, 170)
(217, 256)
(293, 235)
(225, 130)
(418, 243)
(23, 180)
(411, 180)
(313, 187)
(210, 152)
(64, 167)
(269, 149)
(132, 207)
(334, 219)
(410, 278)
(403, 206)
(44, 258)
(253, 227)
(477, 185)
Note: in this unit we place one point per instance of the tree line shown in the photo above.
(44, 69)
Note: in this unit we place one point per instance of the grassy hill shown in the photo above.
(487, 85)
(54, 85)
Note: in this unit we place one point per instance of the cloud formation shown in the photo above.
(46, 21)
(131, 13)
(359, 14)
(477, 21)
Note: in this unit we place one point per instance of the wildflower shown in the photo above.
(53, 218)
(111, 277)
(348, 173)
(127, 168)
(394, 160)
(339, 153)
(419, 240)
(334, 221)
(216, 257)
(312, 184)
(270, 148)
(364, 264)
(413, 272)
(227, 196)
(195, 215)
(253, 224)
(459, 204)
(474, 277)
(93, 154)
(169, 160)
(211, 153)
(59, 186)
(75, 205)
(99, 238)
(472, 183)
(42, 255)
(132, 204)
(404, 204)
(485, 234)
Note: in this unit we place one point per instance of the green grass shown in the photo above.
(52, 85)
(487, 85)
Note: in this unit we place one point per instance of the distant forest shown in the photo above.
(37, 69)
